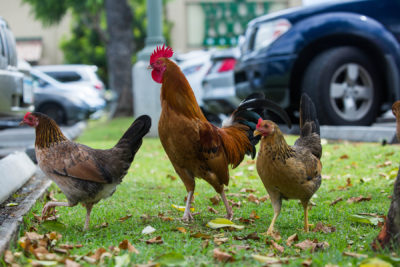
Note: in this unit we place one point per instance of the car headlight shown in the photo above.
(268, 32)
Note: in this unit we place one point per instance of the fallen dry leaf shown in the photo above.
(125, 245)
(306, 263)
(358, 199)
(320, 227)
(264, 198)
(291, 239)
(247, 190)
(219, 241)
(235, 204)
(71, 263)
(172, 177)
(253, 198)
(155, 240)
(253, 215)
(212, 210)
(246, 221)
(277, 246)
(354, 255)
(181, 229)
(215, 199)
(122, 219)
(103, 225)
(275, 235)
(222, 256)
(312, 245)
(200, 235)
(8, 257)
(385, 164)
(344, 156)
(205, 243)
(345, 187)
(336, 201)
(97, 255)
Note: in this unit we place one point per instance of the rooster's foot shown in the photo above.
(229, 216)
(187, 217)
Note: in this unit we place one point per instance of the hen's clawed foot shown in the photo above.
(47, 209)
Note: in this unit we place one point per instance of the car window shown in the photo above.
(12, 52)
(65, 76)
(2, 45)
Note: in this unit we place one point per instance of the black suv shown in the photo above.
(344, 54)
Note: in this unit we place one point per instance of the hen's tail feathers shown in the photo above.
(249, 111)
(309, 127)
(308, 114)
(135, 133)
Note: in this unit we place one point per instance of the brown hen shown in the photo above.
(85, 175)
(290, 172)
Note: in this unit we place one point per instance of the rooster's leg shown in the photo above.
(229, 213)
(50, 205)
(276, 201)
(305, 206)
(187, 216)
(88, 211)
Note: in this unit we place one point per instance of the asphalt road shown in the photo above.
(22, 138)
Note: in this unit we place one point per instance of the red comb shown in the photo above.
(26, 115)
(260, 120)
(161, 52)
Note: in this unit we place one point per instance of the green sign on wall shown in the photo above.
(225, 21)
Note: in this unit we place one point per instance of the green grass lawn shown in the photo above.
(149, 190)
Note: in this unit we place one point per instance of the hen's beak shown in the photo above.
(21, 123)
(256, 132)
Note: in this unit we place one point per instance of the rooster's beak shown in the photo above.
(149, 67)
(256, 132)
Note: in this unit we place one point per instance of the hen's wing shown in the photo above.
(78, 161)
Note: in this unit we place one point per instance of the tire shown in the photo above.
(345, 87)
(54, 111)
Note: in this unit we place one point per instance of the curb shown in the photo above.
(10, 224)
(15, 170)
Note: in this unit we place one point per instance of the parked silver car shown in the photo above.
(219, 97)
(65, 103)
(16, 97)
(75, 74)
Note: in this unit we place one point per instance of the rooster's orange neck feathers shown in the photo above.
(177, 93)
(48, 133)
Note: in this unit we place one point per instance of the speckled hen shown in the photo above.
(85, 175)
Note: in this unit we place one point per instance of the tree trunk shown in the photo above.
(119, 53)
(389, 237)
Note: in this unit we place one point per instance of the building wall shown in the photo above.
(24, 26)
(189, 16)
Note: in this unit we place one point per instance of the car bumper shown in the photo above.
(220, 100)
(270, 75)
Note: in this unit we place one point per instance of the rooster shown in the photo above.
(195, 147)
(84, 175)
(290, 172)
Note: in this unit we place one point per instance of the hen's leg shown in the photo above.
(88, 211)
(305, 206)
(51, 205)
(229, 213)
(188, 181)
(276, 201)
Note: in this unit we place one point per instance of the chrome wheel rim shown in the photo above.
(351, 92)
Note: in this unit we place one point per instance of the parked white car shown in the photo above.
(75, 74)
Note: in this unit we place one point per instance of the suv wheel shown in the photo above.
(55, 112)
(345, 86)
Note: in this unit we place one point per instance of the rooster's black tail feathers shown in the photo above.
(250, 110)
